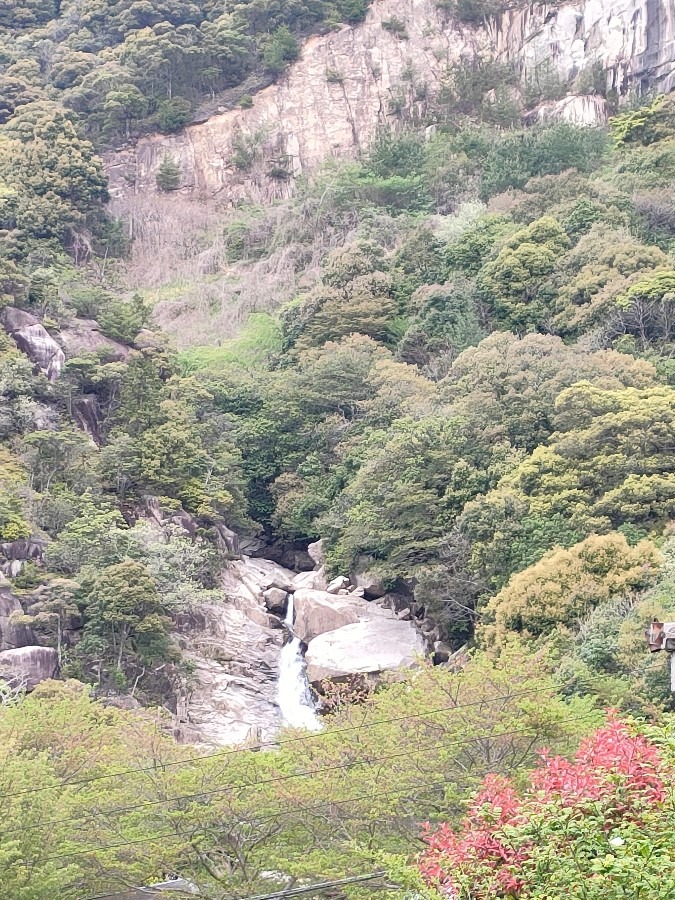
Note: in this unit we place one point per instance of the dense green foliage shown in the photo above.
(473, 400)
(457, 395)
(600, 826)
(250, 822)
(122, 66)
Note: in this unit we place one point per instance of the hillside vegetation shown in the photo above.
(471, 397)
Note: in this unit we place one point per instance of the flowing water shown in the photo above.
(293, 694)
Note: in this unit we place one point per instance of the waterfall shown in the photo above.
(293, 693)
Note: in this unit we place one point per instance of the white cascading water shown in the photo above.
(293, 693)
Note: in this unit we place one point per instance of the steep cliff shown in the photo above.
(633, 41)
(331, 102)
(348, 83)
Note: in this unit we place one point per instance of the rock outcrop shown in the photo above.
(581, 110)
(14, 554)
(30, 665)
(234, 649)
(32, 338)
(348, 83)
(84, 336)
(368, 647)
(332, 102)
(234, 646)
(630, 41)
(12, 636)
(317, 612)
(232, 694)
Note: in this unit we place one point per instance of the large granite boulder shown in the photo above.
(14, 554)
(84, 336)
(317, 612)
(31, 665)
(14, 319)
(371, 582)
(316, 553)
(250, 578)
(312, 581)
(34, 340)
(369, 647)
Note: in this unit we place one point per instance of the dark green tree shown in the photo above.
(168, 175)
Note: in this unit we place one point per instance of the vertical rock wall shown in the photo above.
(349, 83)
(632, 41)
(345, 85)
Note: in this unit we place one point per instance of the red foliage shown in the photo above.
(611, 764)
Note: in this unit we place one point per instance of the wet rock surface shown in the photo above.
(234, 647)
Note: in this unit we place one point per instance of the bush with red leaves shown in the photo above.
(599, 826)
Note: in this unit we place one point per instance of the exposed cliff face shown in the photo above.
(349, 83)
(633, 41)
(345, 85)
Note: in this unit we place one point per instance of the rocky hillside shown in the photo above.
(350, 83)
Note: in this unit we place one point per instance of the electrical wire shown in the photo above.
(429, 789)
(274, 815)
(271, 744)
(277, 895)
(341, 766)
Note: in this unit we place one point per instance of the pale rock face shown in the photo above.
(371, 647)
(30, 664)
(317, 612)
(306, 118)
(311, 581)
(35, 341)
(580, 110)
(235, 659)
(234, 647)
(316, 553)
(632, 41)
(84, 336)
(12, 635)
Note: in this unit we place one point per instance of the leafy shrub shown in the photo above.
(168, 175)
(172, 115)
(599, 826)
(565, 585)
(645, 125)
(279, 50)
(397, 27)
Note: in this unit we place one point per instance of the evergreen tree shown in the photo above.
(168, 175)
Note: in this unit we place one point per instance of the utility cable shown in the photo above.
(304, 774)
(278, 895)
(271, 744)
(172, 835)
